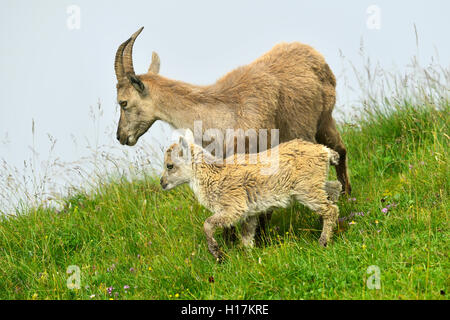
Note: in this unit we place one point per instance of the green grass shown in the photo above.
(131, 233)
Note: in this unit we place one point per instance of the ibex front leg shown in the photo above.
(210, 226)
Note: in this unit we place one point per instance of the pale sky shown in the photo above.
(53, 74)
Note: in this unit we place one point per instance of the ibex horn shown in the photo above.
(118, 65)
(128, 54)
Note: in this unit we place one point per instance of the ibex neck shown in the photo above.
(181, 104)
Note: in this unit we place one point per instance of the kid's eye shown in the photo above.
(123, 104)
(170, 166)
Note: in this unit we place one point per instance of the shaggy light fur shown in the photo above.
(238, 192)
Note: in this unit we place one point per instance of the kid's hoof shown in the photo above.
(323, 242)
(220, 257)
(217, 253)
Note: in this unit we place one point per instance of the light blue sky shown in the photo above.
(52, 74)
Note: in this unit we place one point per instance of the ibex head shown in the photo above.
(177, 162)
(133, 95)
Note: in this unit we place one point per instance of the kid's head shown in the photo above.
(178, 163)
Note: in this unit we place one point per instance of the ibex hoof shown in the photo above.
(323, 241)
(220, 257)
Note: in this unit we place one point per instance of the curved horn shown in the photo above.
(118, 65)
(128, 53)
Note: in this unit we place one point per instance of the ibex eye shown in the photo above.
(123, 104)
(170, 166)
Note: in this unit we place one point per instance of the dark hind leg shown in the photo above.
(230, 236)
(328, 135)
(333, 189)
(264, 220)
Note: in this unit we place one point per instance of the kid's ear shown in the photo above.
(184, 143)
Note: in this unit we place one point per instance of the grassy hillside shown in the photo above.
(131, 240)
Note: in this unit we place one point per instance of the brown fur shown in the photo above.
(238, 192)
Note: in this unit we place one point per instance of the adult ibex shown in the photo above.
(290, 88)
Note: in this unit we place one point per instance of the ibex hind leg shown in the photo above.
(329, 213)
(229, 235)
(333, 189)
(317, 201)
(328, 135)
(260, 233)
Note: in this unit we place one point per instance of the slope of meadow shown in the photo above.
(131, 240)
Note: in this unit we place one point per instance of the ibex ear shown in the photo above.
(156, 63)
(136, 83)
(186, 140)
